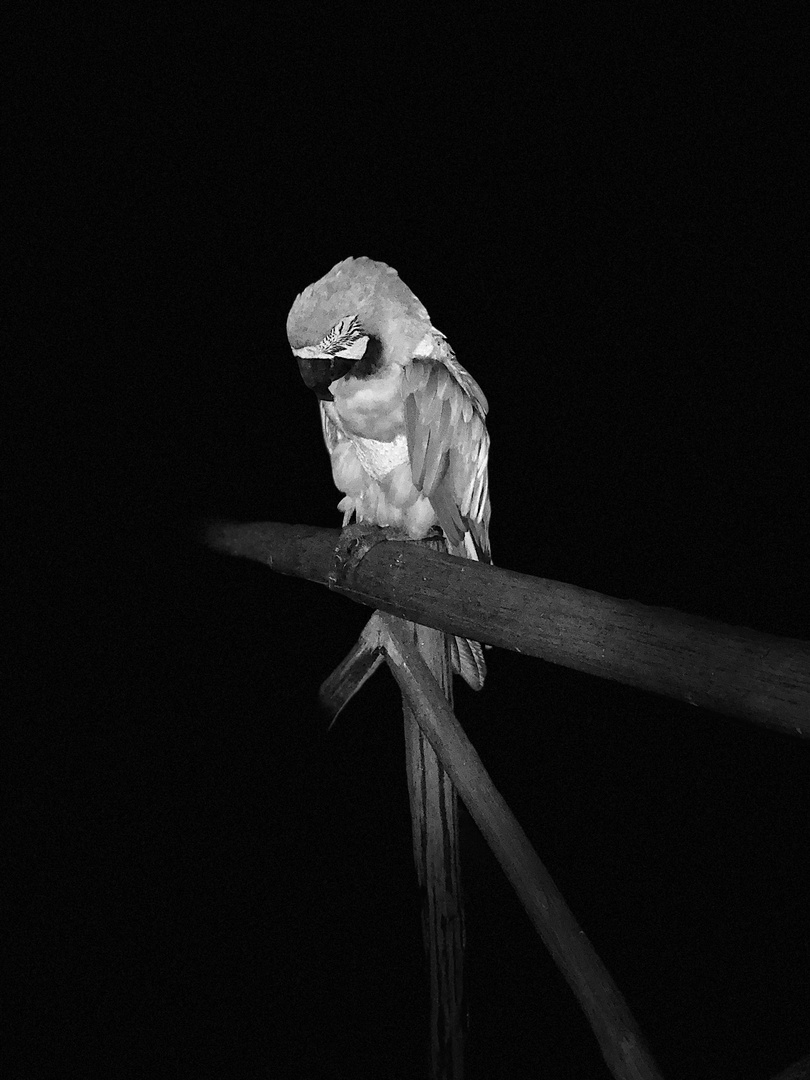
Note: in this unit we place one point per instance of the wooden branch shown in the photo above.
(799, 1070)
(731, 670)
(434, 820)
(619, 1038)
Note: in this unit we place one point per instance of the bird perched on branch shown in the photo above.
(403, 422)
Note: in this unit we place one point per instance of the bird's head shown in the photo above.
(358, 319)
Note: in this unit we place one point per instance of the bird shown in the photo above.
(404, 423)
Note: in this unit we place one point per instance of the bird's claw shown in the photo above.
(355, 542)
(357, 539)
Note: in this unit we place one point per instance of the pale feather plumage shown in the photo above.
(403, 422)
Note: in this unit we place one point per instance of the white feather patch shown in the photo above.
(380, 458)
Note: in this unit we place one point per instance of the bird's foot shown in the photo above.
(357, 539)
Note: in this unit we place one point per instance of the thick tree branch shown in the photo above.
(731, 670)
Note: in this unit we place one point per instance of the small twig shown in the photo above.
(354, 671)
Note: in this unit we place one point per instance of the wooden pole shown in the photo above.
(619, 1037)
(434, 821)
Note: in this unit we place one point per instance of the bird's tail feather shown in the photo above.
(467, 659)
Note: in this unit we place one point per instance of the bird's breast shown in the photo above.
(379, 458)
(371, 408)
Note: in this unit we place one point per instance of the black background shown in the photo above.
(600, 209)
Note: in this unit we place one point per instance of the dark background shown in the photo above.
(599, 208)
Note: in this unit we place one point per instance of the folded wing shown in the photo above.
(448, 446)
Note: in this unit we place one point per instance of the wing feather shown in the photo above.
(329, 427)
(448, 444)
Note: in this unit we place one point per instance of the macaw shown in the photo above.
(403, 422)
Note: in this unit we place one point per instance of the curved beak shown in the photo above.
(319, 371)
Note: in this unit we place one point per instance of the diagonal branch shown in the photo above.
(620, 1039)
(434, 819)
(354, 670)
(799, 1070)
